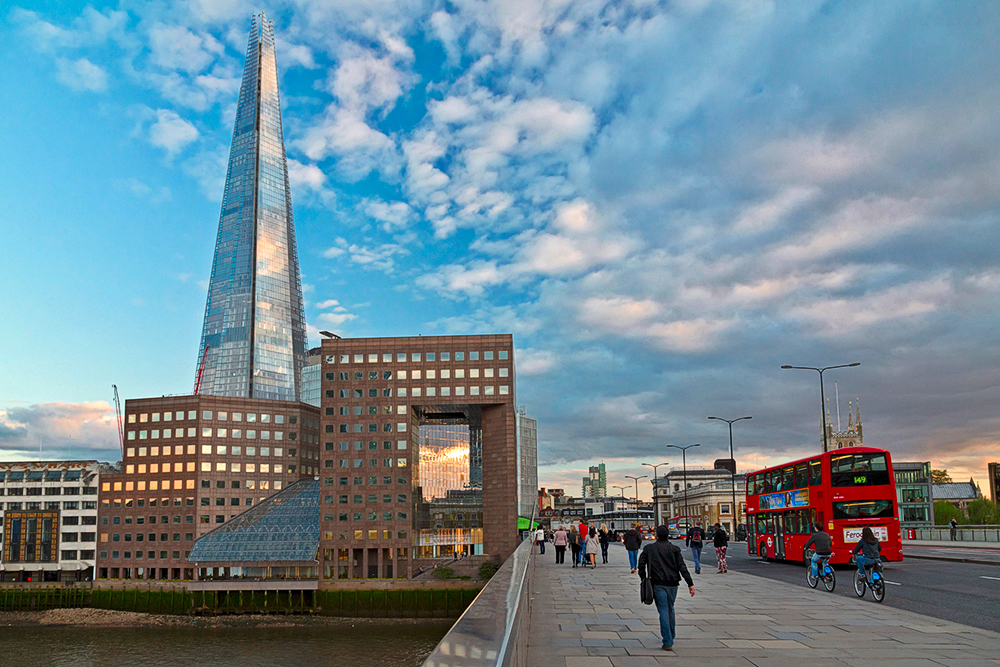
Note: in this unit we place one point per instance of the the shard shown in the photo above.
(253, 342)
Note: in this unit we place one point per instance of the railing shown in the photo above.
(493, 631)
(962, 534)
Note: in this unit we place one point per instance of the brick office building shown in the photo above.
(377, 392)
(190, 464)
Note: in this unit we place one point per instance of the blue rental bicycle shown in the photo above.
(873, 579)
(825, 574)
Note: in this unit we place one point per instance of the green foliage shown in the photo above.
(945, 511)
(443, 572)
(940, 476)
(984, 512)
(487, 570)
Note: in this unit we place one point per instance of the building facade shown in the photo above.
(712, 502)
(190, 464)
(669, 490)
(310, 386)
(253, 341)
(595, 484)
(914, 491)
(377, 393)
(959, 494)
(527, 462)
(49, 520)
(853, 436)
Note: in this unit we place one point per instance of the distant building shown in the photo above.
(49, 520)
(527, 461)
(993, 469)
(595, 484)
(311, 380)
(669, 490)
(914, 492)
(959, 494)
(852, 437)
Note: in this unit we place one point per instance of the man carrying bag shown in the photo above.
(665, 568)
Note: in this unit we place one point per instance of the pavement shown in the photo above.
(983, 553)
(593, 618)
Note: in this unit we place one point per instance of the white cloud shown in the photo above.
(530, 362)
(392, 214)
(179, 48)
(329, 303)
(171, 132)
(81, 74)
(305, 176)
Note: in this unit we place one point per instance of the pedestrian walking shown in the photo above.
(663, 563)
(592, 545)
(582, 529)
(559, 540)
(633, 540)
(605, 538)
(721, 541)
(954, 528)
(540, 539)
(696, 540)
(575, 545)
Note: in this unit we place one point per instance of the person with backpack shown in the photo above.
(696, 540)
(664, 564)
(605, 537)
(721, 541)
(633, 540)
(575, 545)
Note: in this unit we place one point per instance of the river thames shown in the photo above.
(363, 644)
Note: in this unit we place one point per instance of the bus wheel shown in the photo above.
(762, 551)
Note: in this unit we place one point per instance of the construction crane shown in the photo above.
(201, 370)
(121, 424)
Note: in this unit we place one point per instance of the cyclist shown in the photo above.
(867, 550)
(822, 543)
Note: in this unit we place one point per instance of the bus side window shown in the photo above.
(801, 477)
(786, 483)
(815, 472)
(812, 519)
(804, 523)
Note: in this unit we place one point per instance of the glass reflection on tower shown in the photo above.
(448, 519)
(254, 331)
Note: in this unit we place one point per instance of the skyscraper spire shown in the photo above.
(254, 328)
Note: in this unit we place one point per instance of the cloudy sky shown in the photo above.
(663, 201)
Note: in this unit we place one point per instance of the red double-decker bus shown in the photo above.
(845, 490)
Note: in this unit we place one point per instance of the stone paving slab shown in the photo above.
(593, 618)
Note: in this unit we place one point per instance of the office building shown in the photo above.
(190, 464)
(527, 462)
(311, 377)
(595, 484)
(377, 394)
(49, 518)
(915, 495)
(253, 342)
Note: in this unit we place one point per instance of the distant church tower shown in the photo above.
(853, 436)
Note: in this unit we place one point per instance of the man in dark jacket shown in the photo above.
(633, 540)
(696, 540)
(822, 543)
(665, 568)
(721, 541)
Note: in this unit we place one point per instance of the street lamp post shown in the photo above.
(656, 502)
(684, 451)
(637, 493)
(822, 394)
(622, 491)
(732, 457)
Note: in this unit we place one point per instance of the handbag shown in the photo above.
(646, 591)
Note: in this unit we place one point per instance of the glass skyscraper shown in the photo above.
(254, 330)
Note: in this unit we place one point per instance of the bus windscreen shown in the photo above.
(863, 469)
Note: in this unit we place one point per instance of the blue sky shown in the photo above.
(663, 202)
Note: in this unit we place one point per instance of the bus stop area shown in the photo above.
(593, 618)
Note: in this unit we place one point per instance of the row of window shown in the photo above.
(415, 392)
(418, 374)
(360, 481)
(150, 555)
(360, 445)
(364, 534)
(79, 537)
(66, 505)
(73, 554)
(208, 432)
(39, 476)
(206, 466)
(359, 516)
(372, 499)
(237, 450)
(140, 537)
(48, 491)
(221, 415)
(360, 463)
(188, 484)
(402, 357)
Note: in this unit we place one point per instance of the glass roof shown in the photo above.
(283, 527)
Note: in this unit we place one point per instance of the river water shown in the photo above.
(389, 644)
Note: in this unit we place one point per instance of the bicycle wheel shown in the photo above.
(859, 584)
(810, 579)
(830, 581)
(878, 589)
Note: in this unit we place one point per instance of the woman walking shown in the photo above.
(605, 538)
(559, 540)
(721, 541)
(592, 547)
(575, 545)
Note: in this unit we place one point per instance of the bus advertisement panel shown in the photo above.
(845, 490)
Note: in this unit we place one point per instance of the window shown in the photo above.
(863, 509)
(858, 470)
(815, 472)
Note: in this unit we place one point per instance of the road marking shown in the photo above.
(993, 578)
(892, 583)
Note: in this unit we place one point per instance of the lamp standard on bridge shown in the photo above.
(732, 457)
(822, 395)
(656, 501)
(622, 490)
(684, 451)
(637, 493)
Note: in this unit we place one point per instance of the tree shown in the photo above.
(983, 511)
(940, 477)
(944, 512)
